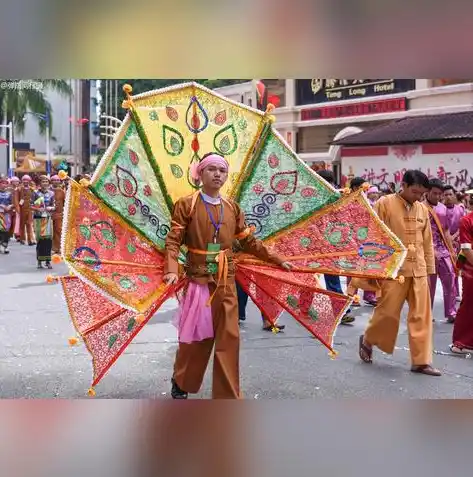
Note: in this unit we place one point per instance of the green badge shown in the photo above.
(212, 268)
(214, 249)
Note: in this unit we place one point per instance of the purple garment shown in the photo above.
(443, 264)
(440, 248)
(446, 273)
(369, 296)
(454, 215)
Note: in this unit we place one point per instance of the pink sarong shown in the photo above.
(194, 318)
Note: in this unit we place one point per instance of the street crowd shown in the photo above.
(433, 220)
(31, 213)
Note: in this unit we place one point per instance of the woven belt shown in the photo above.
(222, 260)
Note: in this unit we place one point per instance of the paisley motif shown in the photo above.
(226, 141)
(284, 183)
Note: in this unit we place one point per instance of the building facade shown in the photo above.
(74, 133)
(314, 113)
(242, 93)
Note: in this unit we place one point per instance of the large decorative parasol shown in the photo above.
(115, 227)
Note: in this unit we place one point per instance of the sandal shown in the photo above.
(277, 328)
(460, 351)
(347, 319)
(426, 369)
(177, 392)
(365, 353)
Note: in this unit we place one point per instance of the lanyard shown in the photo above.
(209, 213)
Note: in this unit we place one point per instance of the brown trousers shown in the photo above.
(192, 359)
(383, 326)
(57, 230)
(26, 226)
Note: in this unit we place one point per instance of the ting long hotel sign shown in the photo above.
(312, 91)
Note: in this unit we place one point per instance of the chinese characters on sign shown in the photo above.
(311, 91)
(452, 170)
(356, 109)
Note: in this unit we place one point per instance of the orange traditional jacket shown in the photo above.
(25, 194)
(411, 223)
(59, 198)
(192, 227)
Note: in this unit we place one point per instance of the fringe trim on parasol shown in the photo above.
(108, 155)
(193, 84)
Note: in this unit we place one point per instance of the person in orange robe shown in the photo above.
(208, 224)
(59, 197)
(409, 219)
(23, 205)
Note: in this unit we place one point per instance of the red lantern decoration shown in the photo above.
(79, 122)
(260, 89)
(275, 100)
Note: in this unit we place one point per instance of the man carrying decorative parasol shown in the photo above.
(207, 224)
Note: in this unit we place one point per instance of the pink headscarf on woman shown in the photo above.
(210, 160)
(373, 190)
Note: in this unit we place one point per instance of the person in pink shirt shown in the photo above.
(444, 255)
(454, 214)
(373, 195)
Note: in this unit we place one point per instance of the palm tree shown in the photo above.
(16, 102)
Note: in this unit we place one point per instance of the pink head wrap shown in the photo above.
(26, 178)
(55, 178)
(14, 179)
(373, 190)
(212, 159)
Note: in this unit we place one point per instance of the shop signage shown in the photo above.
(356, 109)
(312, 91)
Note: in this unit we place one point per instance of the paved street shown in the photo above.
(37, 362)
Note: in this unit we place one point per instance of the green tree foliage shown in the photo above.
(15, 102)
